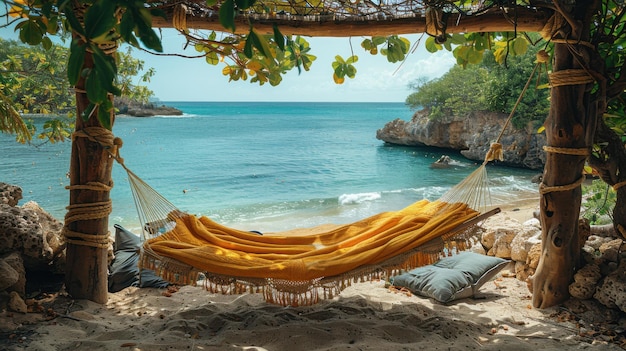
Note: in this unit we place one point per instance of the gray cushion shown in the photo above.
(451, 278)
(124, 269)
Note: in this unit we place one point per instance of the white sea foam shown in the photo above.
(184, 115)
(351, 199)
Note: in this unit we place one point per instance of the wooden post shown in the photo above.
(569, 133)
(86, 223)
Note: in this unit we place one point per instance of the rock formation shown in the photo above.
(137, 109)
(472, 135)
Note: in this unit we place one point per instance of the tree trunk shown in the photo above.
(569, 130)
(87, 218)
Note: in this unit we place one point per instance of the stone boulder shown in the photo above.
(10, 194)
(610, 250)
(585, 282)
(33, 232)
(523, 241)
(498, 236)
(12, 273)
(612, 292)
(591, 252)
(471, 134)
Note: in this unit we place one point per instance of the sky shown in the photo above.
(377, 80)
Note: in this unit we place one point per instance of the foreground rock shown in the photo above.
(31, 244)
(472, 135)
(598, 291)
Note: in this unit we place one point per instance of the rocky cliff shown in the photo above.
(472, 135)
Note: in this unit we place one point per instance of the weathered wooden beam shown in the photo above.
(521, 20)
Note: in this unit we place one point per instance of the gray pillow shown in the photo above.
(124, 269)
(451, 278)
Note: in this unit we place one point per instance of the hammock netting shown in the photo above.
(301, 269)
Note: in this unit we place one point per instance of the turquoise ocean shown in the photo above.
(266, 166)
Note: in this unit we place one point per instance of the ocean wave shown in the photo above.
(184, 115)
(509, 184)
(351, 199)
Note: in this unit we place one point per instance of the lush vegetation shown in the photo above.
(488, 86)
(34, 81)
(599, 201)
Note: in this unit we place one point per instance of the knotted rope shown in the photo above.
(570, 77)
(495, 151)
(94, 210)
(544, 189)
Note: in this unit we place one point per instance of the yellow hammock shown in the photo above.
(299, 270)
(292, 270)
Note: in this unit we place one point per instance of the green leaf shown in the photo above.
(126, 28)
(143, 21)
(75, 61)
(52, 27)
(100, 18)
(96, 93)
(367, 44)
(431, 46)
(378, 40)
(30, 32)
(106, 67)
(474, 56)
(227, 15)
(520, 45)
(104, 114)
(279, 38)
(46, 43)
(350, 71)
(212, 58)
(405, 44)
(247, 49)
(211, 2)
(260, 43)
(339, 60)
(457, 39)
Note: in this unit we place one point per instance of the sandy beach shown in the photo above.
(366, 316)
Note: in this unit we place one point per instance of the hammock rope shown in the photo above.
(474, 189)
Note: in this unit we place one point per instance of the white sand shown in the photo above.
(366, 316)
